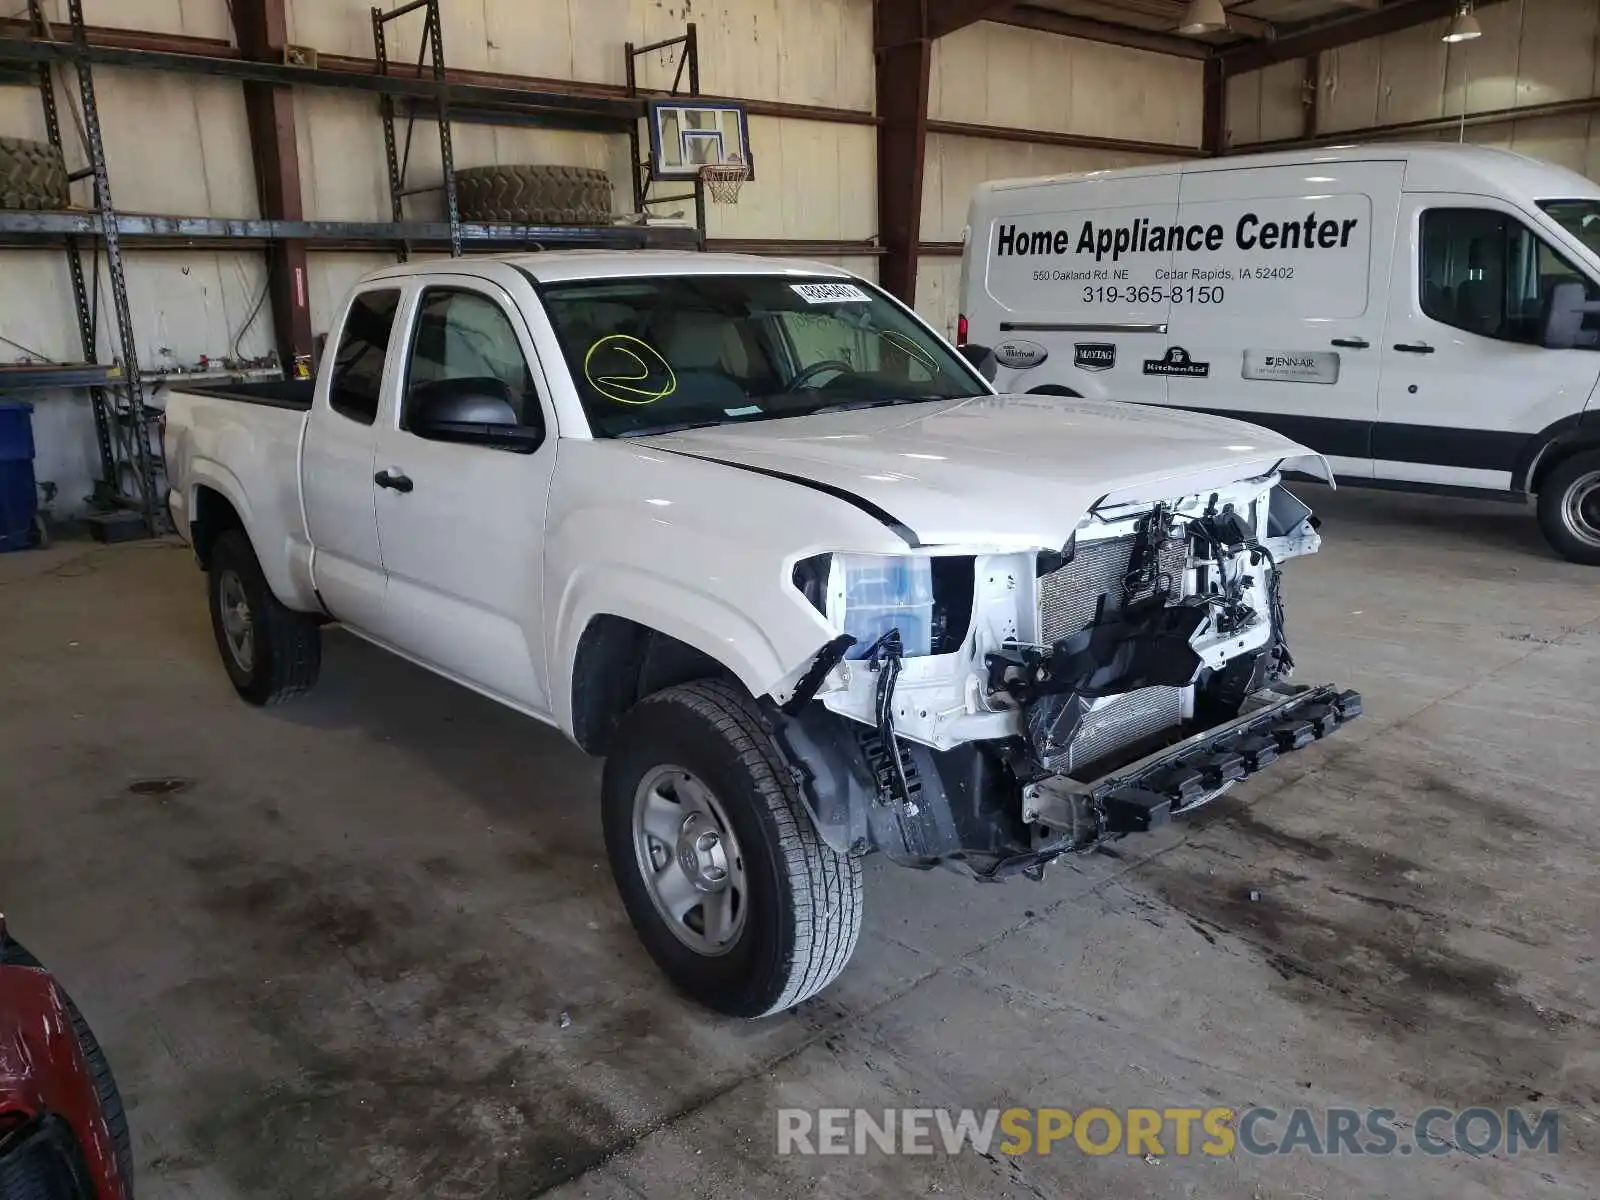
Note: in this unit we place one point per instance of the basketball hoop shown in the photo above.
(724, 179)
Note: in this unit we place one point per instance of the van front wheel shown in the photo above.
(1569, 508)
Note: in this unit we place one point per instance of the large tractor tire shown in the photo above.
(535, 195)
(32, 175)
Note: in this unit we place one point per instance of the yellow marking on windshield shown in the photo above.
(625, 384)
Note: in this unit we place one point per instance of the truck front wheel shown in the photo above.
(734, 895)
(271, 652)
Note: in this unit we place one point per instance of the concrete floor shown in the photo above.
(331, 963)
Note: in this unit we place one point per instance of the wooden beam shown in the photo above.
(1049, 137)
(1214, 107)
(1167, 12)
(1330, 35)
(262, 30)
(903, 65)
(1047, 20)
(947, 16)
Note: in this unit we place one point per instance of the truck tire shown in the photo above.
(766, 913)
(541, 195)
(1569, 508)
(271, 652)
(14, 954)
(32, 175)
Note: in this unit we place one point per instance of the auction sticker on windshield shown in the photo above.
(830, 293)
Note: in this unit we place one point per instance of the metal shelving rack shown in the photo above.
(121, 419)
(689, 63)
(431, 53)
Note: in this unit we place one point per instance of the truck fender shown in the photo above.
(696, 618)
(286, 572)
(1579, 431)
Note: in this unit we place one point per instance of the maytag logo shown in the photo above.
(1020, 354)
(1094, 356)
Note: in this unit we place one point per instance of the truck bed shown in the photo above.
(275, 393)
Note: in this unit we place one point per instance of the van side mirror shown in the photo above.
(982, 359)
(1564, 312)
(473, 410)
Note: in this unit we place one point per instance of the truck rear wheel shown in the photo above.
(271, 652)
(734, 895)
(1569, 508)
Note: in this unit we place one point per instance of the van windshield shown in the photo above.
(1580, 218)
(651, 354)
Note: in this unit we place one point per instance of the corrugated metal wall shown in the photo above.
(181, 146)
(1532, 52)
(998, 75)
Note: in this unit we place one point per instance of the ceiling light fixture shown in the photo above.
(1203, 16)
(1463, 26)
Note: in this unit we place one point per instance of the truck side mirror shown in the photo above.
(474, 410)
(1564, 312)
(982, 359)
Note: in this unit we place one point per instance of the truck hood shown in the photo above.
(1006, 471)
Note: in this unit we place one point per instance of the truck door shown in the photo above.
(1466, 378)
(336, 461)
(1070, 285)
(461, 508)
(1283, 326)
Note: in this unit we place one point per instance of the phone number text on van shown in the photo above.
(1152, 295)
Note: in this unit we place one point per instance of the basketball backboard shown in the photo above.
(687, 134)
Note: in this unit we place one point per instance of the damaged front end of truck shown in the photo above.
(1008, 708)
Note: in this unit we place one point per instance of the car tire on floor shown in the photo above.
(723, 875)
(271, 653)
(1569, 508)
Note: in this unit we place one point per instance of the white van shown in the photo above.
(1427, 316)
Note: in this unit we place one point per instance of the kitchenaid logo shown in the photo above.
(1176, 361)
(1142, 236)
(1094, 356)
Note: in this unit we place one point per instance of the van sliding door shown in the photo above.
(1282, 324)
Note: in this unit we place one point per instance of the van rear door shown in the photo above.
(1066, 282)
(1283, 325)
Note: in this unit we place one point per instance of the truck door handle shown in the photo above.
(1413, 347)
(391, 478)
(1351, 343)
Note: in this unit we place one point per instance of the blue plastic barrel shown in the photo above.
(19, 497)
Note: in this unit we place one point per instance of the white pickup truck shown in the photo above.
(756, 534)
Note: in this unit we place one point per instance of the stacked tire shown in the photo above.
(534, 195)
(33, 175)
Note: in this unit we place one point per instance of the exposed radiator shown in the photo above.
(1069, 600)
(1117, 722)
(1070, 597)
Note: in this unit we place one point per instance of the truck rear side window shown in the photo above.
(358, 366)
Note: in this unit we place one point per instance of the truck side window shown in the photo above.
(1486, 272)
(358, 366)
(465, 335)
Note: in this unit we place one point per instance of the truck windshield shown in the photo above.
(656, 353)
(1580, 218)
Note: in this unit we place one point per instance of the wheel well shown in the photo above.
(619, 662)
(1054, 389)
(1558, 453)
(213, 516)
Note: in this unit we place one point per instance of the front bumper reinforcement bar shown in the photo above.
(1179, 778)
